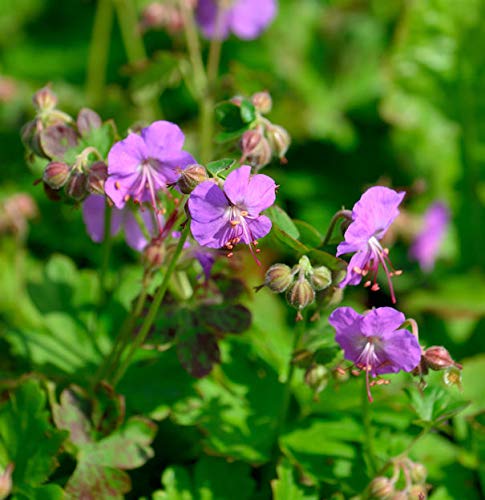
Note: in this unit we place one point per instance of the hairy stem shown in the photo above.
(341, 214)
(154, 307)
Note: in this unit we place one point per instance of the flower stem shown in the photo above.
(341, 214)
(154, 307)
(98, 52)
(368, 433)
(299, 330)
(126, 12)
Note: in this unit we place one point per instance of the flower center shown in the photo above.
(378, 256)
(369, 361)
(240, 230)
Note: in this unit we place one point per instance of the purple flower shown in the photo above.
(140, 165)
(93, 216)
(371, 217)
(375, 341)
(247, 19)
(427, 243)
(225, 217)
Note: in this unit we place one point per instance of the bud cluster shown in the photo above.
(264, 140)
(55, 136)
(301, 282)
(167, 15)
(437, 358)
(384, 488)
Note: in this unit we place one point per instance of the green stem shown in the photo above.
(99, 51)
(299, 330)
(341, 214)
(127, 18)
(368, 433)
(154, 307)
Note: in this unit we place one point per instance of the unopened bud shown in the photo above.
(262, 102)
(255, 148)
(301, 294)
(452, 376)
(76, 187)
(237, 100)
(418, 492)
(418, 473)
(56, 174)
(6, 481)
(382, 488)
(321, 278)
(278, 277)
(30, 135)
(44, 100)
(317, 377)
(191, 177)
(438, 358)
(97, 175)
(279, 140)
(154, 254)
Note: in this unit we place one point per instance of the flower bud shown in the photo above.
(301, 294)
(44, 100)
(279, 140)
(418, 492)
(262, 102)
(76, 187)
(418, 473)
(255, 148)
(317, 377)
(56, 174)
(381, 487)
(6, 481)
(438, 358)
(278, 277)
(321, 278)
(191, 177)
(97, 175)
(154, 254)
(452, 376)
(30, 135)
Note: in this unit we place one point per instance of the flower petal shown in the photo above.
(126, 155)
(347, 323)
(377, 209)
(133, 234)
(161, 137)
(93, 216)
(382, 320)
(400, 351)
(259, 227)
(207, 16)
(207, 202)
(118, 187)
(249, 18)
(358, 260)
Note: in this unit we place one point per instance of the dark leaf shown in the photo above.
(198, 352)
(56, 140)
(227, 319)
(87, 120)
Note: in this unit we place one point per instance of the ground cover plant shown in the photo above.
(240, 249)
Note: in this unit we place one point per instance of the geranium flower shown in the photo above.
(221, 218)
(247, 19)
(93, 216)
(427, 243)
(371, 217)
(140, 165)
(375, 341)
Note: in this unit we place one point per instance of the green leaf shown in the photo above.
(177, 485)
(223, 137)
(286, 487)
(219, 166)
(29, 441)
(248, 111)
(283, 221)
(309, 235)
(229, 117)
(101, 138)
(313, 439)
